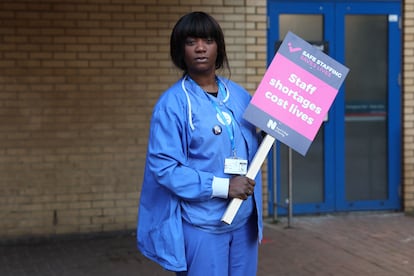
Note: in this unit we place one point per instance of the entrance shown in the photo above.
(354, 163)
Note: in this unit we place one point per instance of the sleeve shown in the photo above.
(167, 155)
(221, 187)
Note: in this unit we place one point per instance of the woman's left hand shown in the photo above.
(241, 187)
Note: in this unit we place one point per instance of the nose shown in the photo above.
(200, 45)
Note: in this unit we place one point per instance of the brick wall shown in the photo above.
(408, 106)
(78, 80)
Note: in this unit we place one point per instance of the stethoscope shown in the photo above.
(190, 117)
(229, 124)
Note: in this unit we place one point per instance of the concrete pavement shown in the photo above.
(352, 244)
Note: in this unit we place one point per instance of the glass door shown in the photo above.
(310, 175)
(349, 165)
(368, 173)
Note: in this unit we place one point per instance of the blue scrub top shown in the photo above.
(184, 155)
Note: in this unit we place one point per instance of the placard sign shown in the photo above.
(296, 93)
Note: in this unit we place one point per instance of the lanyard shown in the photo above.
(229, 128)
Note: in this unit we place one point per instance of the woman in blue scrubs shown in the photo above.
(199, 147)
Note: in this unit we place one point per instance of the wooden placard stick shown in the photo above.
(254, 168)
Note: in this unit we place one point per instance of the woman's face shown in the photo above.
(200, 55)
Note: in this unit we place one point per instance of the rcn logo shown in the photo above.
(271, 124)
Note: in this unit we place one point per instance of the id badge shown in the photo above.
(235, 166)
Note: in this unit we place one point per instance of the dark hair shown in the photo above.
(199, 25)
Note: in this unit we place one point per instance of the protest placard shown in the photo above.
(296, 93)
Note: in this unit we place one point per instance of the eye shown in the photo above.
(210, 40)
(189, 41)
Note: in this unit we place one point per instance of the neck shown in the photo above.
(207, 83)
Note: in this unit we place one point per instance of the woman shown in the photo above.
(198, 148)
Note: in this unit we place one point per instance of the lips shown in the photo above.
(201, 59)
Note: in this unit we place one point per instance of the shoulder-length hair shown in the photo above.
(199, 25)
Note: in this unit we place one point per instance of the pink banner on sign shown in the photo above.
(294, 96)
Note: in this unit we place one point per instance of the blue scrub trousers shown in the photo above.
(227, 254)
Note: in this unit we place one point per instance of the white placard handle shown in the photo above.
(254, 168)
